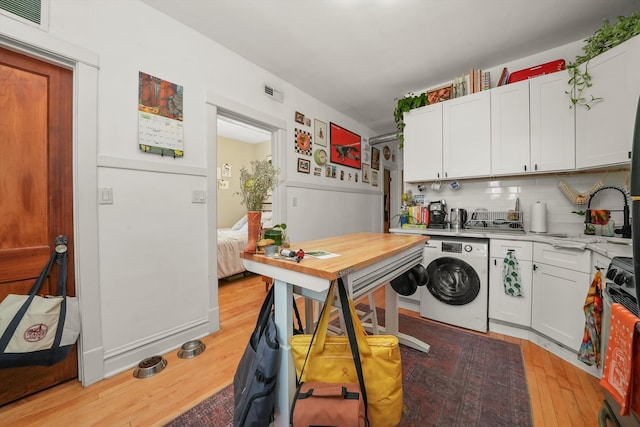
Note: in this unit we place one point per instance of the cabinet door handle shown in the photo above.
(536, 166)
(535, 267)
(525, 168)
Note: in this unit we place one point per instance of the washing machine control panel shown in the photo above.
(452, 247)
(456, 248)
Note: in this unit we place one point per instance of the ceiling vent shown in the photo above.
(29, 10)
(272, 93)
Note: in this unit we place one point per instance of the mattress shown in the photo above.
(230, 244)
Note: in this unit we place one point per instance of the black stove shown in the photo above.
(620, 283)
(619, 288)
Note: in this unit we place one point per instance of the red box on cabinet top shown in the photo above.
(538, 70)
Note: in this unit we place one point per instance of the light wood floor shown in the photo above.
(561, 395)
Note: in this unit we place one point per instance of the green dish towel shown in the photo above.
(511, 275)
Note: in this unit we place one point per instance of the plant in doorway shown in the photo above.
(255, 186)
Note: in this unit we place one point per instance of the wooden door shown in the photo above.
(35, 193)
(387, 199)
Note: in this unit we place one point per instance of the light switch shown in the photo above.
(105, 196)
(198, 196)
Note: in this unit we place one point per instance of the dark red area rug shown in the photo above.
(465, 380)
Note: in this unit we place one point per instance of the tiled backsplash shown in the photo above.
(501, 194)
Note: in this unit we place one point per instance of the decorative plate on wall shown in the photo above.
(386, 152)
(303, 142)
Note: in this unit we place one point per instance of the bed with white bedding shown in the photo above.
(232, 241)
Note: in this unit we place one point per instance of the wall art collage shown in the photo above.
(341, 153)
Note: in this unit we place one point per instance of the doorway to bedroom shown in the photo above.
(238, 143)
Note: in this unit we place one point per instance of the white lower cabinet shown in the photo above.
(504, 307)
(561, 279)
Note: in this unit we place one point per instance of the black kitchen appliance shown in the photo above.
(619, 287)
(635, 199)
(437, 214)
(458, 218)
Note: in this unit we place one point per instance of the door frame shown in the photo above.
(84, 64)
(217, 103)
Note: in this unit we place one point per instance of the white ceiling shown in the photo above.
(358, 56)
(233, 129)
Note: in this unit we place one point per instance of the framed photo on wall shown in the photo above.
(320, 133)
(345, 147)
(366, 172)
(304, 165)
(374, 178)
(375, 158)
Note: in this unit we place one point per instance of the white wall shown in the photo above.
(152, 285)
(236, 154)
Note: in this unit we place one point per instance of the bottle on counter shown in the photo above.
(608, 230)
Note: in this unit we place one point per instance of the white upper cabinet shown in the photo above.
(466, 136)
(552, 124)
(532, 126)
(529, 126)
(510, 152)
(604, 133)
(423, 144)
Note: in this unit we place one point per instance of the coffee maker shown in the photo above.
(438, 214)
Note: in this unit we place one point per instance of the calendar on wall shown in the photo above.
(160, 120)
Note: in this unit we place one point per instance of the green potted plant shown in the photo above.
(608, 36)
(404, 105)
(255, 186)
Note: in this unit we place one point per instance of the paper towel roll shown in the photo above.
(539, 218)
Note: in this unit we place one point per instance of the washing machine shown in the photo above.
(458, 288)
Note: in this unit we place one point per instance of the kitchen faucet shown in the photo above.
(626, 227)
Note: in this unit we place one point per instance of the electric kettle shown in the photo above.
(458, 218)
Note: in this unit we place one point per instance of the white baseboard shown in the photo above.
(161, 345)
(540, 340)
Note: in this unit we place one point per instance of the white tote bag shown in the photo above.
(37, 330)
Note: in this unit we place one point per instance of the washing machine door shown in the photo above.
(453, 281)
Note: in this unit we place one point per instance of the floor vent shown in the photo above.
(272, 93)
(31, 10)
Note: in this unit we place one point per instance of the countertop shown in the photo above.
(606, 246)
(356, 251)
